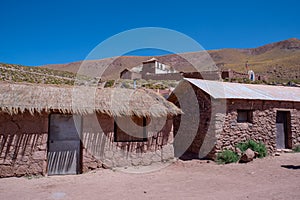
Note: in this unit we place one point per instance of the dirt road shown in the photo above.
(268, 178)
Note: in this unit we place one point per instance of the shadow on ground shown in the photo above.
(291, 166)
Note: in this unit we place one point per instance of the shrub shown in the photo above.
(260, 148)
(109, 84)
(296, 148)
(227, 156)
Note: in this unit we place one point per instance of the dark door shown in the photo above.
(283, 133)
(64, 144)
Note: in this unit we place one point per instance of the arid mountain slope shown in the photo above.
(280, 61)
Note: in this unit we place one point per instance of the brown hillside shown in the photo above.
(280, 61)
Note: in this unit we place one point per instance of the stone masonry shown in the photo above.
(219, 129)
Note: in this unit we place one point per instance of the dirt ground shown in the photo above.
(269, 178)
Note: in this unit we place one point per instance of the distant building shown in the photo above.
(155, 70)
(152, 66)
(129, 74)
(230, 74)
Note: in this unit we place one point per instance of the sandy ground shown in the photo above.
(261, 179)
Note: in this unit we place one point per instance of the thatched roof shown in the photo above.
(17, 98)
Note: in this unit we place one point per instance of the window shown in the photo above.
(130, 129)
(245, 116)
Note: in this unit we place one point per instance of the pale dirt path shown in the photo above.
(261, 179)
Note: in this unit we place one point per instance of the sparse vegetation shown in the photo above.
(227, 156)
(148, 84)
(259, 147)
(296, 149)
(18, 73)
(109, 83)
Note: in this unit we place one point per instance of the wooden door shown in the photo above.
(283, 130)
(64, 144)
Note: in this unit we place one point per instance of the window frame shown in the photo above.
(117, 131)
(249, 114)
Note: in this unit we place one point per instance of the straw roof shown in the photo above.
(18, 98)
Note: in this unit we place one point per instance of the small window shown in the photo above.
(245, 116)
(130, 129)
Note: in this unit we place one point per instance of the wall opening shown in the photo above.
(130, 129)
(244, 116)
(283, 130)
(64, 146)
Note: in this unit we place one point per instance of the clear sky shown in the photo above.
(46, 32)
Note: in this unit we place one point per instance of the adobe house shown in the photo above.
(152, 66)
(228, 113)
(129, 74)
(63, 130)
(230, 74)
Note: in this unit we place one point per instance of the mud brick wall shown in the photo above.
(99, 148)
(23, 144)
(195, 131)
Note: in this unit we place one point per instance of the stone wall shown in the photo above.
(23, 144)
(231, 74)
(99, 148)
(169, 76)
(207, 75)
(218, 126)
(295, 122)
(263, 125)
(130, 75)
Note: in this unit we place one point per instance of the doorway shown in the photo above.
(283, 130)
(64, 144)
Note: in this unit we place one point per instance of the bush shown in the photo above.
(109, 83)
(260, 148)
(227, 156)
(296, 148)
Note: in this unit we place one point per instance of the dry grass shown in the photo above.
(18, 98)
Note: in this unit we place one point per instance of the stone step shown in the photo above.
(284, 150)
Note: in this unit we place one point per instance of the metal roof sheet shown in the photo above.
(224, 90)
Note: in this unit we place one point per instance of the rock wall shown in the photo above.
(23, 144)
(231, 74)
(218, 126)
(169, 76)
(99, 148)
(263, 125)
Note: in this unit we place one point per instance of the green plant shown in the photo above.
(296, 148)
(259, 147)
(227, 156)
(109, 83)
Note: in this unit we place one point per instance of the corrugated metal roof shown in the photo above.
(224, 90)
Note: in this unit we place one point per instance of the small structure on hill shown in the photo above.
(230, 74)
(153, 66)
(154, 70)
(130, 74)
(62, 130)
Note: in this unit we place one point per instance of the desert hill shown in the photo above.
(280, 61)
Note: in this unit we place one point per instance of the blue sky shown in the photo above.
(45, 32)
